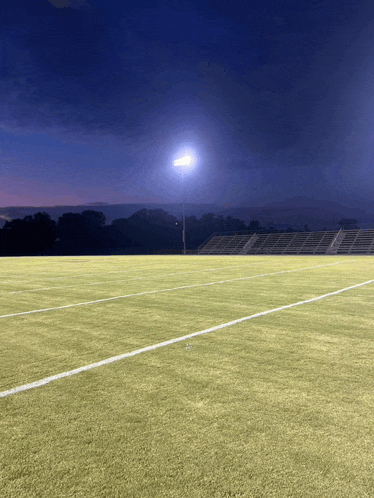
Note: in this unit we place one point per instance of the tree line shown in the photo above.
(146, 231)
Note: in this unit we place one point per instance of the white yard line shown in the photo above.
(125, 280)
(46, 380)
(163, 290)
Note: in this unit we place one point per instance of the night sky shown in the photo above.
(274, 99)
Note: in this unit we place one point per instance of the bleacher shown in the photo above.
(323, 242)
(225, 244)
(357, 242)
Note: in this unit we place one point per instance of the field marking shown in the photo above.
(124, 280)
(113, 359)
(79, 275)
(165, 290)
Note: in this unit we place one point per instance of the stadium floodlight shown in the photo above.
(183, 163)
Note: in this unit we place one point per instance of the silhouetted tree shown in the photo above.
(81, 233)
(207, 225)
(254, 225)
(96, 218)
(30, 235)
(234, 224)
(207, 219)
(196, 232)
(115, 238)
(44, 228)
(123, 225)
(154, 229)
(155, 217)
(162, 218)
(348, 223)
(124, 230)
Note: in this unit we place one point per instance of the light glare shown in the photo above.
(183, 161)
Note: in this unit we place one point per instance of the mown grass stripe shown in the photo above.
(163, 290)
(125, 280)
(79, 275)
(113, 359)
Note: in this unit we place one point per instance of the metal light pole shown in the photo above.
(184, 161)
(184, 219)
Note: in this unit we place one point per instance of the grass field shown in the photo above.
(278, 405)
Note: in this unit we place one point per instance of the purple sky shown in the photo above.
(274, 98)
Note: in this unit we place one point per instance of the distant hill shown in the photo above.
(295, 212)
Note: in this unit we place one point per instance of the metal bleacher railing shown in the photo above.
(245, 232)
(242, 232)
(329, 242)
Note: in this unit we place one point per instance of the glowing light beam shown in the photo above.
(183, 161)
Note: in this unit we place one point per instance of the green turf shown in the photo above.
(277, 406)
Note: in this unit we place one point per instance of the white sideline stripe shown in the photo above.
(42, 382)
(127, 279)
(163, 290)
